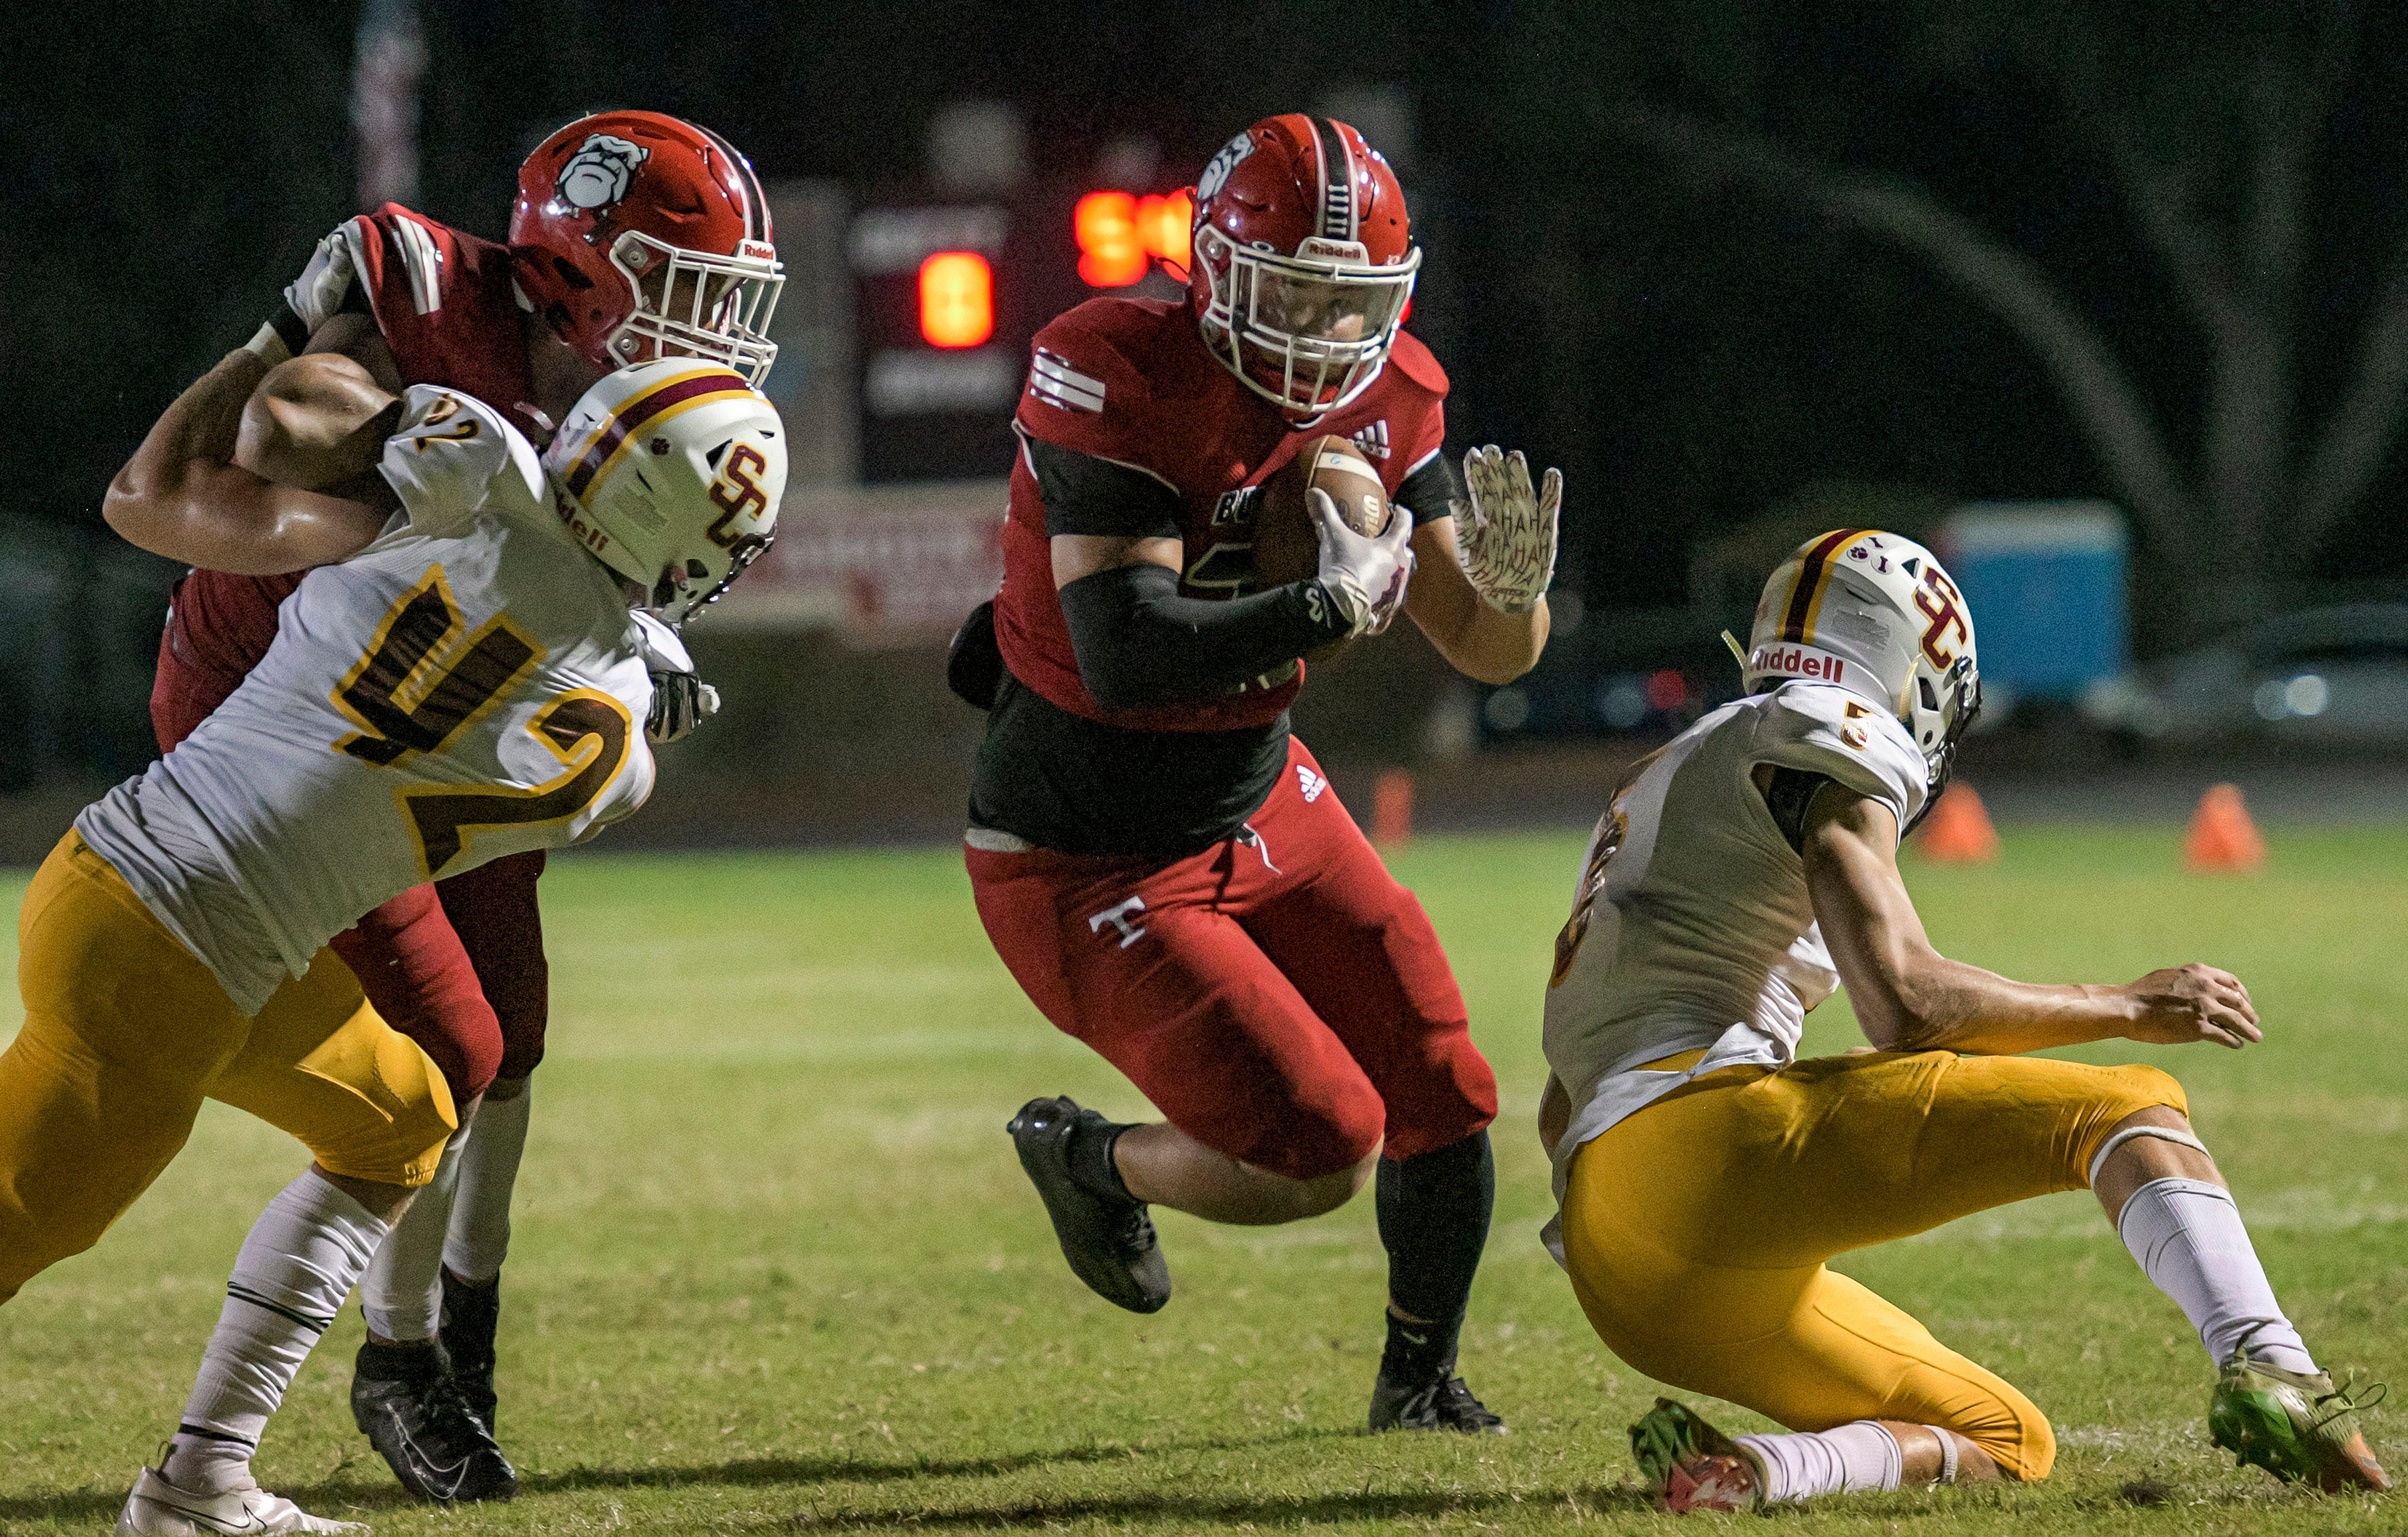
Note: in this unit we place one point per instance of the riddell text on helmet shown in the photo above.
(1799, 662)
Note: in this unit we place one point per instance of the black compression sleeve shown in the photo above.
(1085, 495)
(1138, 642)
(1787, 797)
(1431, 491)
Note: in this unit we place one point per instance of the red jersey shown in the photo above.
(445, 305)
(1129, 381)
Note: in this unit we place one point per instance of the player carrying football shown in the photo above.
(1706, 1174)
(459, 686)
(634, 235)
(1159, 863)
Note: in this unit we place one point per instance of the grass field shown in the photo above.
(777, 1270)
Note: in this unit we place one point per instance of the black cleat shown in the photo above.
(1109, 1243)
(1441, 1404)
(404, 1402)
(471, 1314)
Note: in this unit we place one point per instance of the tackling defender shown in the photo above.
(1706, 1174)
(1157, 860)
(461, 686)
(635, 235)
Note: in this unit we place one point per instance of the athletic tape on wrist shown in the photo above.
(1947, 1455)
(2164, 1133)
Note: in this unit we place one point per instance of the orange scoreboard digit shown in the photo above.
(948, 297)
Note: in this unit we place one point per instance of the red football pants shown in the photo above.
(1277, 996)
(456, 966)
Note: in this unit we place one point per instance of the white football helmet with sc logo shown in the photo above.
(670, 472)
(1877, 615)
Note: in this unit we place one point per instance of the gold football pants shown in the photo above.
(1695, 1230)
(126, 1033)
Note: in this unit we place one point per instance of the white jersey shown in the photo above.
(471, 684)
(1691, 926)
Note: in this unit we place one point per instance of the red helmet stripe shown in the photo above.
(685, 390)
(1804, 597)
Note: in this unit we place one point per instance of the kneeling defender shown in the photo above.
(1705, 1174)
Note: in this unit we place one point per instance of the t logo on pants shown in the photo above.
(1119, 916)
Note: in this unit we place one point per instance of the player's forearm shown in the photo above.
(1141, 643)
(146, 500)
(1939, 1004)
(181, 495)
(1492, 646)
(1478, 639)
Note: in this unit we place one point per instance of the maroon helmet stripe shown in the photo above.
(630, 419)
(1809, 582)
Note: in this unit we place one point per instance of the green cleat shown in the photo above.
(2300, 1428)
(1690, 1465)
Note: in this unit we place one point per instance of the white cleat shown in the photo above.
(157, 1508)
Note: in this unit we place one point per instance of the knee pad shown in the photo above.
(404, 1111)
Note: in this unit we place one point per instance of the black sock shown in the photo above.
(1092, 1164)
(1434, 1210)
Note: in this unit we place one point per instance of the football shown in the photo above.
(1287, 546)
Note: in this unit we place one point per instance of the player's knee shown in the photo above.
(404, 1145)
(2016, 1435)
(1324, 1146)
(2146, 1089)
(1453, 1097)
(521, 1048)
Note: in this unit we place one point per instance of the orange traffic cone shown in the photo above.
(2222, 837)
(1959, 830)
(1392, 809)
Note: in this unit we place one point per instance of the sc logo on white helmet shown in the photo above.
(670, 472)
(1875, 614)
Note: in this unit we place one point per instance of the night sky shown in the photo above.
(1691, 355)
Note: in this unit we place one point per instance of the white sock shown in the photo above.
(2190, 1241)
(403, 1291)
(301, 1260)
(480, 1235)
(1843, 1460)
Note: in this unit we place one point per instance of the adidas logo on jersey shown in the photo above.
(1310, 782)
(1373, 440)
(1056, 383)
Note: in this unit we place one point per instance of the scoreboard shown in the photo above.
(949, 297)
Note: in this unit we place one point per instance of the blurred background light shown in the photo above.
(1112, 251)
(956, 299)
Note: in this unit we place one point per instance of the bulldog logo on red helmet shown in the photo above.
(599, 174)
(1216, 173)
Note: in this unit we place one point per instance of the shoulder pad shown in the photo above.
(456, 457)
(1414, 361)
(1086, 389)
(1827, 731)
(408, 258)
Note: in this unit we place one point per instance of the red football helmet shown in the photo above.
(638, 235)
(1301, 266)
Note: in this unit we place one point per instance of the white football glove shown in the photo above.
(680, 700)
(1365, 577)
(317, 296)
(1508, 542)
